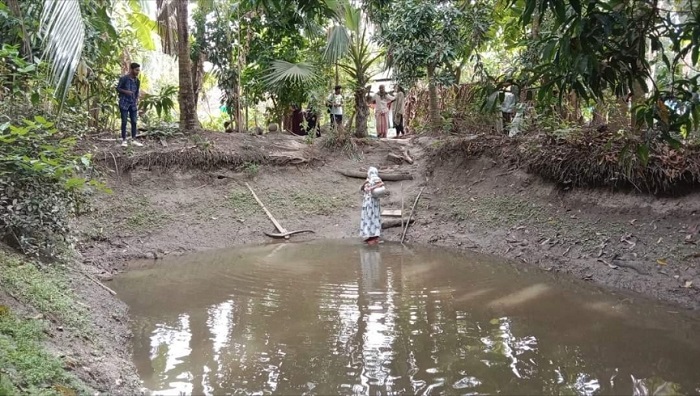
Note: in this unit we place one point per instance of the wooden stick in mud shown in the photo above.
(410, 216)
(277, 225)
(402, 206)
(382, 175)
(100, 284)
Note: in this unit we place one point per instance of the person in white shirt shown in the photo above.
(508, 106)
(335, 106)
(381, 102)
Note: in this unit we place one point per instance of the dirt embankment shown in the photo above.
(629, 241)
(191, 196)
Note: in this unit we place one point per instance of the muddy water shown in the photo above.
(336, 318)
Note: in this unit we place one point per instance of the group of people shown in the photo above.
(371, 223)
(382, 101)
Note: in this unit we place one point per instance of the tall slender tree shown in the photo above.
(188, 109)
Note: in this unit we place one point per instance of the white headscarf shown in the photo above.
(373, 176)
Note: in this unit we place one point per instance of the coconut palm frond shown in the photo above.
(63, 32)
(353, 18)
(283, 71)
(338, 44)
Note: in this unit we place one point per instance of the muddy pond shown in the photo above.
(327, 317)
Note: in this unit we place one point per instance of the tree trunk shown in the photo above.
(188, 114)
(197, 77)
(432, 91)
(26, 48)
(637, 99)
(362, 111)
(599, 114)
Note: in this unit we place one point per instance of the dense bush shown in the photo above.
(39, 186)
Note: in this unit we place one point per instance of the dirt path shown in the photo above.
(624, 241)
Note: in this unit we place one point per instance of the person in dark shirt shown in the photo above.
(128, 89)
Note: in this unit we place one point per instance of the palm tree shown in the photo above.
(174, 32)
(349, 48)
(188, 106)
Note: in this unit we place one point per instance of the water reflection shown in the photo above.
(321, 319)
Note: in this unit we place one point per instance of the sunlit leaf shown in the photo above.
(283, 71)
(144, 27)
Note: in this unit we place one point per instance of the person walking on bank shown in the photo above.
(128, 89)
(335, 106)
(371, 219)
(399, 111)
(508, 106)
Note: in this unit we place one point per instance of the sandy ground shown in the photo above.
(627, 243)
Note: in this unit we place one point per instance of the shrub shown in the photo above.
(39, 186)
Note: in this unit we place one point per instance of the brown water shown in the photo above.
(336, 318)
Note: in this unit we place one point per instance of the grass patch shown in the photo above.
(136, 215)
(242, 202)
(143, 216)
(251, 169)
(25, 366)
(46, 290)
(511, 212)
(279, 203)
(316, 204)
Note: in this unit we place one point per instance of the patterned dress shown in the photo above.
(371, 222)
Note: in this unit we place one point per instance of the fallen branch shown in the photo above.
(406, 155)
(410, 216)
(382, 175)
(393, 223)
(100, 284)
(397, 159)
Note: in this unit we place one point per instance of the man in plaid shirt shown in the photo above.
(128, 89)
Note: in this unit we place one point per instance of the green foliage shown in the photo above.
(266, 36)
(163, 102)
(202, 143)
(421, 38)
(14, 70)
(44, 289)
(39, 184)
(251, 169)
(27, 367)
(600, 47)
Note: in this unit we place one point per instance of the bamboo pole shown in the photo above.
(411, 214)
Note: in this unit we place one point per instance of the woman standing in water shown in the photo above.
(371, 222)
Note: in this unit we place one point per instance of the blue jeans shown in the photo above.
(131, 112)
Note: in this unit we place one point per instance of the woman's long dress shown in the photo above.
(371, 222)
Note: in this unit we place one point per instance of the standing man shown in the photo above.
(508, 105)
(128, 89)
(399, 111)
(335, 106)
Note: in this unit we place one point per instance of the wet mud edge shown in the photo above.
(625, 242)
